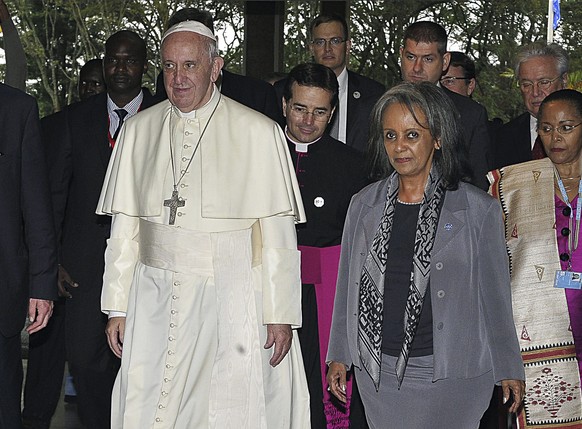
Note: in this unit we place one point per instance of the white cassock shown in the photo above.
(199, 293)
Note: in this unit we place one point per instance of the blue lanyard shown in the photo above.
(571, 247)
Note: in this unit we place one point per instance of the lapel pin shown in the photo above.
(319, 202)
(448, 226)
(356, 94)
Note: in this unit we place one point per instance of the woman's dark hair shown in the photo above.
(568, 95)
(442, 120)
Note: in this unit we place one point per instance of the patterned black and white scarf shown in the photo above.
(371, 302)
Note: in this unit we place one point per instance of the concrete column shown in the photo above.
(263, 46)
(340, 7)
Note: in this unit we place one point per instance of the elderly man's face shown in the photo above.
(538, 78)
(326, 53)
(189, 72)
(422, 62)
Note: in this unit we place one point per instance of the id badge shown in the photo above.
(568, 280)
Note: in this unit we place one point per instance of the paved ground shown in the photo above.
(65, 415)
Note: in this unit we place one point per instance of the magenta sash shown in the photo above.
(319, 266)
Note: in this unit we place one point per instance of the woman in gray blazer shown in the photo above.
(423, 307)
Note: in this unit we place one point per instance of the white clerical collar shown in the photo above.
(300, 147)
(201, 110)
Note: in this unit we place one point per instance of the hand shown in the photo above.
(115, 331)
(336, 380)
(64, 281)
(39, 313)
(517, 387)
(281, 337)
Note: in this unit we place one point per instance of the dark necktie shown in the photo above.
(122, 113)
(538, 152)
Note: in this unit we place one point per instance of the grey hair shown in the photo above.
(442, 120)
(212, 47)
(541, 49)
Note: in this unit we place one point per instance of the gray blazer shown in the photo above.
(473, 329)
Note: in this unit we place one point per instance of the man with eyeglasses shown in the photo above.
(540, 70)
(329, 174)
(460, 76)
(330, 46)
(424, 57)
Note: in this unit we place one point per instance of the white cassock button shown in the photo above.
(318, 202)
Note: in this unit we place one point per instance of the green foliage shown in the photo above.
(490, 32)
(59, 36)
(297, 19)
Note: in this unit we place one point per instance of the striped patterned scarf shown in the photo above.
(371, 302)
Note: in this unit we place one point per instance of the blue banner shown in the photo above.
(557, 15)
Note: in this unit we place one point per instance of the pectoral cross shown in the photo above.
(173, 203)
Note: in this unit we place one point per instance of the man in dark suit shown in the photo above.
(540, 69)
(424, 57)
(91, 80)
(79, 155)
(46, 349)
(252, 92)
(330, 46)
(28, 256)
(329, 173)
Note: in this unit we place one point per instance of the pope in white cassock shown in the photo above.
(202, 282)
